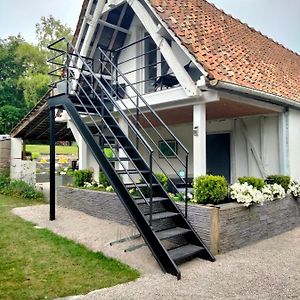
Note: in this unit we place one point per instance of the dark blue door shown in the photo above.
(218, 154)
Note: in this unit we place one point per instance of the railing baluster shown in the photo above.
(110, 90)
(186, 185)
(67, 70)
(151, 187)
(137, 120)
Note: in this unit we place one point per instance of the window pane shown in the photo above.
(168, 148)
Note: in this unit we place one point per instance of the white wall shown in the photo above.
(130, 52)
(184, 134)
(136, 33)
(86, 158)
(23, 170)
(294, 143)
(262, 133)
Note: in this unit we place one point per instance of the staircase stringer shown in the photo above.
(154, 244)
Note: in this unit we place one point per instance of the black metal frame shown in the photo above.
(158, 80)
(81, 98)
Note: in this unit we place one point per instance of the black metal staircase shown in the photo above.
(96, 102)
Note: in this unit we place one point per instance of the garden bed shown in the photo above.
(223, 227)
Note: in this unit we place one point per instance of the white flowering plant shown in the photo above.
(87, 184)
(294, 188)
(109, 189)
(246, 194)
(273, 192)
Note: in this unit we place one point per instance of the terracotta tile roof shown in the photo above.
(231, 51)
(80, 21)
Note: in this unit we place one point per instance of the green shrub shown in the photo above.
(19, 188)
(283, 180)
(257, 183)
(4, 181)
(163, 179)
(35, 155)
(108, 152)
(82, 176)
(103, 179)
(210, 189)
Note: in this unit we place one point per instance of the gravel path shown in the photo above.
(269, 269)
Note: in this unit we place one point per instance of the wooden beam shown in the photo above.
(251, 148)
(32, 115)
(115, 27)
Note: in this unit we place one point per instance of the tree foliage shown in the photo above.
(34, 88)
(49, 30)
(24, 71)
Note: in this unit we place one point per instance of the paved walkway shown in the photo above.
(269, 269)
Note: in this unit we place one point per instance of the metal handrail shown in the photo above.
(144, 101)
(110, 146)
(149, 122)
(139, 96)
(111, 95)
(104, 89)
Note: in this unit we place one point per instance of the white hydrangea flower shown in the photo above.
(294, 188)
(273, 192)
(246, 194)
(109, 189)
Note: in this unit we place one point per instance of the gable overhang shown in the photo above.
(164, 29)
(246, 92)
(154, 26)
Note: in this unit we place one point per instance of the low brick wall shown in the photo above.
(5, 149)
(97, 204)
(240, 226)
(222, 228)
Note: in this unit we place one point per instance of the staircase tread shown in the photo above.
(154, 199)
(140, 185)
(117, 147)
(132, 171)
(184, 252)
(123, 159)
(163, 215)
(172, 232)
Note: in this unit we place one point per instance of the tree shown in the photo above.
(10, 71)
(34, 88)
(35, 80)
(49, 30)
(24, 71)
(32, 58)
(10, 116)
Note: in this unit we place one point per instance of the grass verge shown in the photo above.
(37, 264)
(45, 149)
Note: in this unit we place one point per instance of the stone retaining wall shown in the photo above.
(240, 226)
(222, 228)
(102, 205)
(5, 149)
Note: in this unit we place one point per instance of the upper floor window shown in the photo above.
(155, 65)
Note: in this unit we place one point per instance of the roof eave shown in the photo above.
(253, 93)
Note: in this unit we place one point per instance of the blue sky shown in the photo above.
(20, 16)
(275, 18)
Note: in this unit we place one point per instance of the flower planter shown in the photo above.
(223, 228)
(63, 180)
(42, 177)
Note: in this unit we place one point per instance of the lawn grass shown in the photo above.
(45, 149)
(37, 264)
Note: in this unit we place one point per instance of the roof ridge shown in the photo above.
(252, 28)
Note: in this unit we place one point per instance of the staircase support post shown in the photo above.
(199, 139)
(52, 163)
